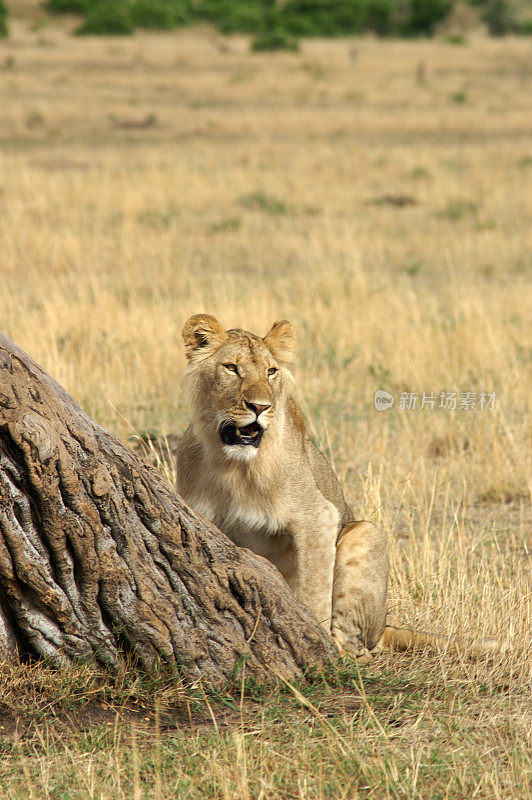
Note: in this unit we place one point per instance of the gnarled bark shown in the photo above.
(99, 555)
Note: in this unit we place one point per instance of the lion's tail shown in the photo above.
(407, 639)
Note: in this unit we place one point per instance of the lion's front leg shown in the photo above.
(314, 536)
(360, 588)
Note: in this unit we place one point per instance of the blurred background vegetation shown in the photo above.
(278, 24)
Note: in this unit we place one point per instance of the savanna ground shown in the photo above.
(378, 195)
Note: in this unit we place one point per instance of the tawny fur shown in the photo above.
(282, 500)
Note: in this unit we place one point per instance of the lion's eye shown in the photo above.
(231, 368)
(272, 371)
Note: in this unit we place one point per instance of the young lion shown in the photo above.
(247, 463)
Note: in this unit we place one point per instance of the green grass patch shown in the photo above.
(274, 40)
(457, 209)
(419, 173)
(226, 224)
(458, 97)
(158, 217)
(525, 162)
(389, 730)
(413, 268)
(455, 39)
(261, 201)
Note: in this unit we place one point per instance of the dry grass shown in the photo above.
(384, 206)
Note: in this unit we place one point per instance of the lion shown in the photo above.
(248, 464)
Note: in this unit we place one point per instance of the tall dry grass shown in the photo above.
(381, 203)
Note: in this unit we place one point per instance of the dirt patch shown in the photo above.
(79, 719)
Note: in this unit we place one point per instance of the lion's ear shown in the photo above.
(280, 340)
(202, 332)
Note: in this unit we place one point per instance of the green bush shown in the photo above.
(274, 40)
(499, 17)
(238, 16)
(323, 17)
(152, 14)
(277, 25)
(183, 11)
(4, 30)
(524, 28)
(107, 18)
(424, 15)
(379, 17)
(161, 14)
(68, 6)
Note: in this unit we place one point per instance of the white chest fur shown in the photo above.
(243, 513)
(237, 515)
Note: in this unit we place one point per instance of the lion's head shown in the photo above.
(237, 383)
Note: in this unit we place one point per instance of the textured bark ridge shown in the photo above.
(99, 556)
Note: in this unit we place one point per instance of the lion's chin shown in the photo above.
(240, 453)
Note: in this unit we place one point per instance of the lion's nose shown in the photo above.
(258, 408)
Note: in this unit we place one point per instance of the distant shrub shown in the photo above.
(379, 17)
(499, 17)
(152, 14)
(424, 15)
(524, 28)
(182, 10)
(107, 18)
(347, 17)
(4, 30)
(274, 40)
(68, 6)
(277, 25)
(238, 16)
(161, 14)
(323, 17)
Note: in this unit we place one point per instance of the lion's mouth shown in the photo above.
(245, 434)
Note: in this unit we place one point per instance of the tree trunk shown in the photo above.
(99, 556)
